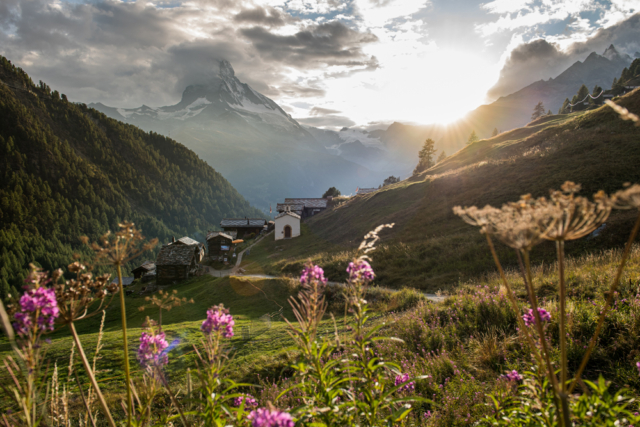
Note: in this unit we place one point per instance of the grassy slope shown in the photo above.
(247, 300)
(430, 248)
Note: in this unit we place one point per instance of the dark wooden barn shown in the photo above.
(219, 244)
(242, 226)
(175, 263)
(145, 268)
(190, 241)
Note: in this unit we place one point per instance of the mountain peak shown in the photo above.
(226, 70)
(611, 53)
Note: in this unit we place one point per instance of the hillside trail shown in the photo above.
(235, 272)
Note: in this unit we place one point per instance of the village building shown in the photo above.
(175, 263)
(287, 225)
(304, 208)
(190, 241)
(220, 244)
(146, 267)
(243, 227)
(365, 190)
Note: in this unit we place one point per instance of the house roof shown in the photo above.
(280, 207)
(212, 234)
(146, 266)
(317, 203)
(285, 213)
(188, 241)
(176, 254)
(366, 190)
(242, 222)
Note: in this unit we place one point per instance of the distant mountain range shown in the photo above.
(265, 154)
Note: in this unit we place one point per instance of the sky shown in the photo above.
(328, 63)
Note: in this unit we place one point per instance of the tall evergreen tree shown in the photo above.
(495, 132)
(441, 157)
(425, 156)
(538, 111)
(473, 138)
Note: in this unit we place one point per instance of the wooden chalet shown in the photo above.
(304, 208)
(365, 190)
(146, 267)
(175, 263)
(243, 227)
(190, 241)
(219, 244)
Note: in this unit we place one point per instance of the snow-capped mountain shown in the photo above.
(265, 153)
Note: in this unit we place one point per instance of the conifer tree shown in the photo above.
(473, 138)
(565, 107)
(495, 132)
(426, 156)
(538, 111)
(441, 157)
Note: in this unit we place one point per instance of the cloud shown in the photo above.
(130, 53)
(330, 121)
(319, 111)
(269, 16)
(331, 43)
(545, 58)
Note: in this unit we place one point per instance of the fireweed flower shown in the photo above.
(403, 378)
(530, 318)
(248, 401)
(151, 350)
(360, 270)
(310, 273)
(513, 376)
(263, 417)
(218, 318)
(37, 305)
(638, 366)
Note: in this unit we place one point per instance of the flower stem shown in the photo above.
(607, 305)
(563, 317)
(173, 399)
(94, 383)
(543, 340)
(514, 303)
(125, 344)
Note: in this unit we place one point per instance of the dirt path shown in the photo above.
(234, 271)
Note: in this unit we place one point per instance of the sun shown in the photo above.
(440, 86)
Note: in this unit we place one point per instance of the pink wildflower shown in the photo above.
(218, 318)
(312, 273)
(151, 350)
(263, 417)
(37, 305)
(360, 270)
(513, 376)
(530, 318)
(248, 401)
(402, 378)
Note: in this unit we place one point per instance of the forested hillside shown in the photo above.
(67, 170)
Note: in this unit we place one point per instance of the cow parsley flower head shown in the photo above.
(312, 272)
(218, 319)
(530, 318)
(513, 376)
(151, 351)
(39, 306)
(263, 417)
(248, 401)
(404, 378)
(360, 270)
